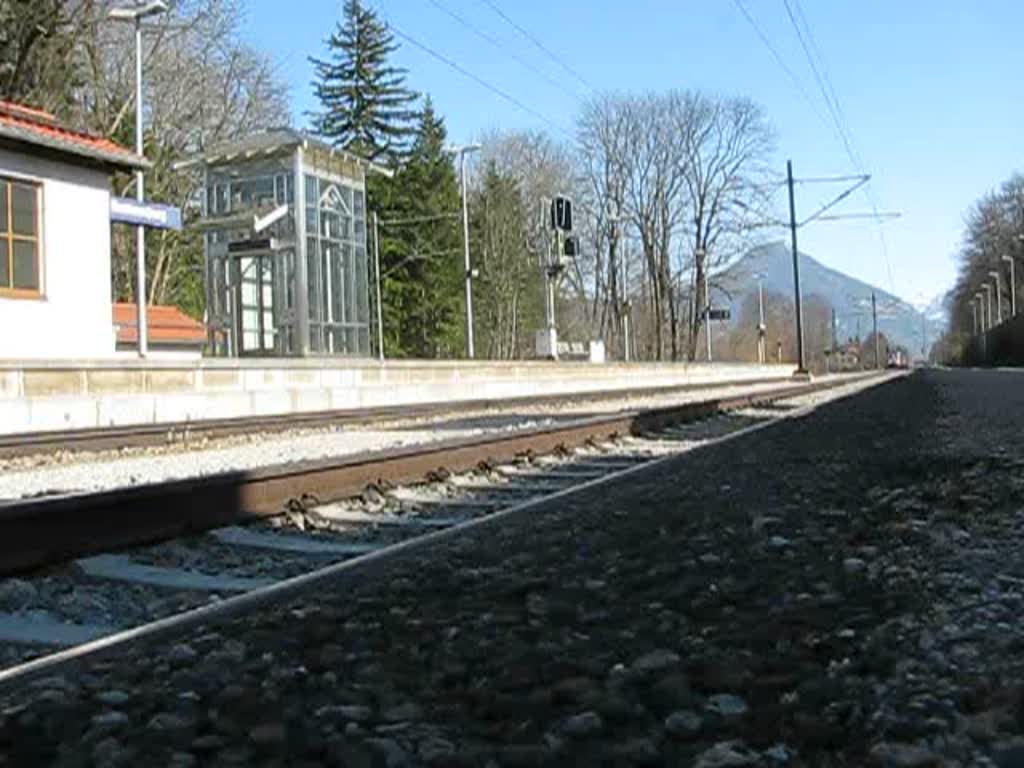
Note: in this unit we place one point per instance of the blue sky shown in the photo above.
(930, 91)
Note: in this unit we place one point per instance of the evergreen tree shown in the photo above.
(421, 263)
(366, 106)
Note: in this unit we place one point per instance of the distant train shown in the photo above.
(898, 359)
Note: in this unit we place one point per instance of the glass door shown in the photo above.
(254, 301)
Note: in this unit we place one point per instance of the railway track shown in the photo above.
(99, 581)
(190, 432)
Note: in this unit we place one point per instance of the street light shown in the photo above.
(462, 151)
(136, 14)
(1013, 287)
(987, 287)
(999, 296)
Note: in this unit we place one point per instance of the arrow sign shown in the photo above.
(129, 211)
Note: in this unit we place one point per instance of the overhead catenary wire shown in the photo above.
(494, 42)
(797, 83)
(835, 109)
(537, 43)
(477, 79)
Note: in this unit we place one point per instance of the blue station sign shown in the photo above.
(129, 211)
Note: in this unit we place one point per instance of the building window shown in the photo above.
(19, 238)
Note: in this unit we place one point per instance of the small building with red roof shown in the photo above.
(55, 289)
(170, 332)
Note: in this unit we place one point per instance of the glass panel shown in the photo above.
(5, 265)
(313, 279)
(23, 209)
(362, 314)
(338, 285)
(26, 266)
(3, 206)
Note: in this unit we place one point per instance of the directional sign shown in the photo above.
(129, 211)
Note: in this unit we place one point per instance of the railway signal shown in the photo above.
(561, 214)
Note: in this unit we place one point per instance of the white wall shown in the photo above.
(73, 318)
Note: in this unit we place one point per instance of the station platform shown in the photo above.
(55, 395)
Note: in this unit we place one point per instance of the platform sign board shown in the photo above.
(128, 211)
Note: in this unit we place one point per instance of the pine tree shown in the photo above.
(422, 263)
(366, 106)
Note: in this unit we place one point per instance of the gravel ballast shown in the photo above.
(838, 589)
(50, 474)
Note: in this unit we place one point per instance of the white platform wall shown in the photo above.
(56, 396)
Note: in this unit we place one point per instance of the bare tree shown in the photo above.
(203, 85)
(657, 166)
(728, 143)
(992, 229)
(603, 147)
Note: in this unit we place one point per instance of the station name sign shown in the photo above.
(129, 211)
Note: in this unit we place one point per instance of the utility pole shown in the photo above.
(376, 271)
(832, 357)
(762, 353)
(707, 308)
(801, 361)
(874, 324)
(462, 152)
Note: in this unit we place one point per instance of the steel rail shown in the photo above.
(374, 564)
(36, 533)
(166, 433)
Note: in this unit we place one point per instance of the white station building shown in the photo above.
(55, 290)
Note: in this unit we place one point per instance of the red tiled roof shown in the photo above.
(165, 324)
(40, 128)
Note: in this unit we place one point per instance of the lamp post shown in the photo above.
(136, 14)
(462, 151)
(999, 296)
(987, 287)
(1013, 287)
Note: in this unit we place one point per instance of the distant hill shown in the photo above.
(851, 298)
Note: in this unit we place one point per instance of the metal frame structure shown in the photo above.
(285, 244)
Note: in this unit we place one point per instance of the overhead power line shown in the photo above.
(497, 44)
(797, 83)
(539, 45)
(477, 79)
(836, 112)
(821, 85)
